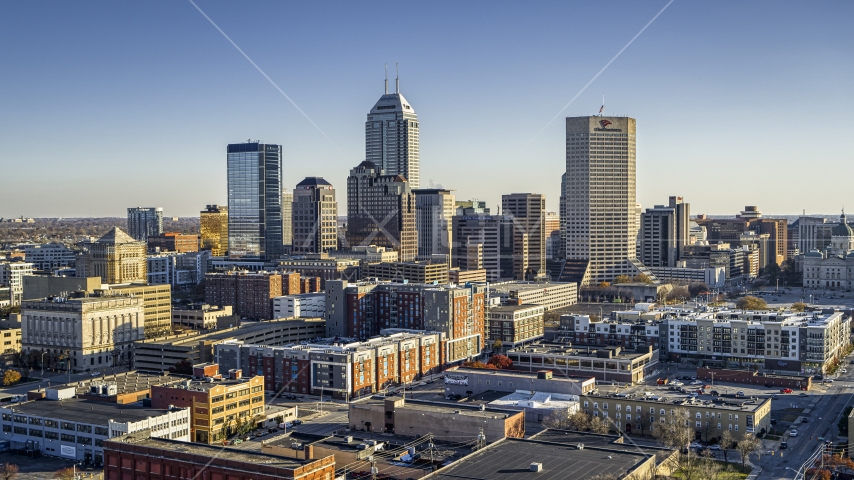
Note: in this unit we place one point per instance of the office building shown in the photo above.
(527, 214)
(173, 242)
(156, 303)
(315, 217)
(831, 268)
(368, 254)
(512, 326)
(343, 370)
(434, 211)
(457, 276)
(413, 272)
(168, 458)
(664, 233)
(249, 294)
(217, 407)
(76, 429)
(213, 229)
(309, 305)
(323, 266)
(600, 195)
(92, 332)
(811, 233)
(287, 220)
(381, 211)
(254, 201)
(50, 256)
(553, 237)
(161, 354)
(198, 316)
(145, 222)
(471, 207)
(729, 230)
(483, 241)
(392, 137)
(12, 275)
(116, 258)
(550, 295)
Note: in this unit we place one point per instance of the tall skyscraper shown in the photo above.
(391, 137)
(527, 212)
(254, 201)
(287, 220)
(315, 217)
(434, 212)
(600, 195)
(664, 233)
(144, 222)
(562, 246)
(213, 229)
(381, 211)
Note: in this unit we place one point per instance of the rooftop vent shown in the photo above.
(536, 467)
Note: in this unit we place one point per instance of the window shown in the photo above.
(736, 427)
(699, 424)
(652, 410)
(719, 425)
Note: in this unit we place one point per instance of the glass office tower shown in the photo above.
(254, 201)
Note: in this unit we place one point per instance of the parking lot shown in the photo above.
(43, 468)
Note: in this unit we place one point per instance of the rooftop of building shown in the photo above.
(210, 452)
(480, 411)
(314, 182)
(670, 398)
(514, 373)
(580, 351)
(127, 382)
(513, 308)
(517, 286)
(345, 345)
(116, 236)
(203, 385)
(511, 458)
(85, 411)
(541, 400)
(245, 329)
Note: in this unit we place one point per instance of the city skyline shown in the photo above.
(705, 81)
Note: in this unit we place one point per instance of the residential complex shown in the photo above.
(308, 305)
(512, 326)
(414, 272)
(603, 363)
(249, 294)
(550, 295)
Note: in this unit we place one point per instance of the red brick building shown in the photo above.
(132, 458)
(249, 294)
(291, 284)
(174, 242)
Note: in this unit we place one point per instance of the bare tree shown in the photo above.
(745, 447)
(646, 420)
(8, 471)
(676, 433)
(726, 444)
(708, 468)
(598, 425)
(707, 430)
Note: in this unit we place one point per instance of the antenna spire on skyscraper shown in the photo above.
(396, 79)
(386, 79)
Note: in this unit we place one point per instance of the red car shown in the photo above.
(785, 390)
(706, 387)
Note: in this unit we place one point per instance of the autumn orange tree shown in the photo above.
(501, 362)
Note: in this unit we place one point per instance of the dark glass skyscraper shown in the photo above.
(254, 201)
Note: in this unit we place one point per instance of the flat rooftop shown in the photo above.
(510, 459)
(245, 329)
(543, 400)
(210, 452)
(513, 308)
(451, 409)
(516, 374)
(204, 385)
(127, 382)
(524, 286)
(669, 399)
(86, 411)
(576, 351)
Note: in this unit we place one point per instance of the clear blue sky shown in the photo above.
(106, 105)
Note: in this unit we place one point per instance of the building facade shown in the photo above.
(314, 217)
(434, 211)
(550, 295)
(309, 305)
(145, 222)
(89, 333)
(12, 275)
(414, 272)
(527, 214)
(213, 229)
(198, 316)
(116, 258)
(287, 220)
(512, 326)
(381, 211)
(249, 294)
(392, 140)
(833, 267)
(50, 256)
(600, 195)
(664, 233)
(254, 201)
(173, 242)
(483, 241)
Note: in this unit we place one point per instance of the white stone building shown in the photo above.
(12, 276)
(832, 268)
(307, 305)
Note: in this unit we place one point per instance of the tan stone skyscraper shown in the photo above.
(600, 195)
(527, 212)
(213, 229)
(116, 258)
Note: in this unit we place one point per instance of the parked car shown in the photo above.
(697, 382)
(784, 445)
(804, 420)
(714, 392)
(785, 390)
(802, 394)
(297, 422)
(739, 394)
(715, 447)
(95, 373)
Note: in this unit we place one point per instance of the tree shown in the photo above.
(8, 471)
(65, 474)
(599, 425)
(646, 420)
(183, 367)
(707, 431)
(697, 288)
(501, 362)
(496, 345)
(708, 467)
(579, 421)
(604, 284)
(678, 294)
(676, 433)
(726, 444)
(751, 303)
(11, 377)
(622, 279)
(746, 447)
(799, 306)
(642, 278)
(479, 364)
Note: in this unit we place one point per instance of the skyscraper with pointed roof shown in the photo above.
(392, 138)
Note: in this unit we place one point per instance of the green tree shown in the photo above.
(751, 303)
(622, 279)
(11, 377)
(799, 306)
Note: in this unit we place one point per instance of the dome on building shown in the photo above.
(814, 254)
(843, 229)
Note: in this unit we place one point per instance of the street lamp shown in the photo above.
(42, 363)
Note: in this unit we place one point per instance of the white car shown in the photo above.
(95, 374)
(677, 384)
(695, 445)
(793, 433)
(696, 382)
(714, 447)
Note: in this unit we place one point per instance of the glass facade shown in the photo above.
(254, 201)
(392, 138)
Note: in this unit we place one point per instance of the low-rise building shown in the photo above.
(445, 422)
(219, 407)
(156, 303)
(162, 353)
(603, 363)
(155, 458)
(43, 286)
(511, 326)
(475, 381)
(455, 275)
(122, 388)
(367, 254)
(50, 256)
(173, 242)
(12, 275)
(324, 266)
(538, 406)
(77, 429)
(414, 272)
(550, 295)
(714, 277)
(198, 316)
(312, 305)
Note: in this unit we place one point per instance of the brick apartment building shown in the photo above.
(250, 294)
